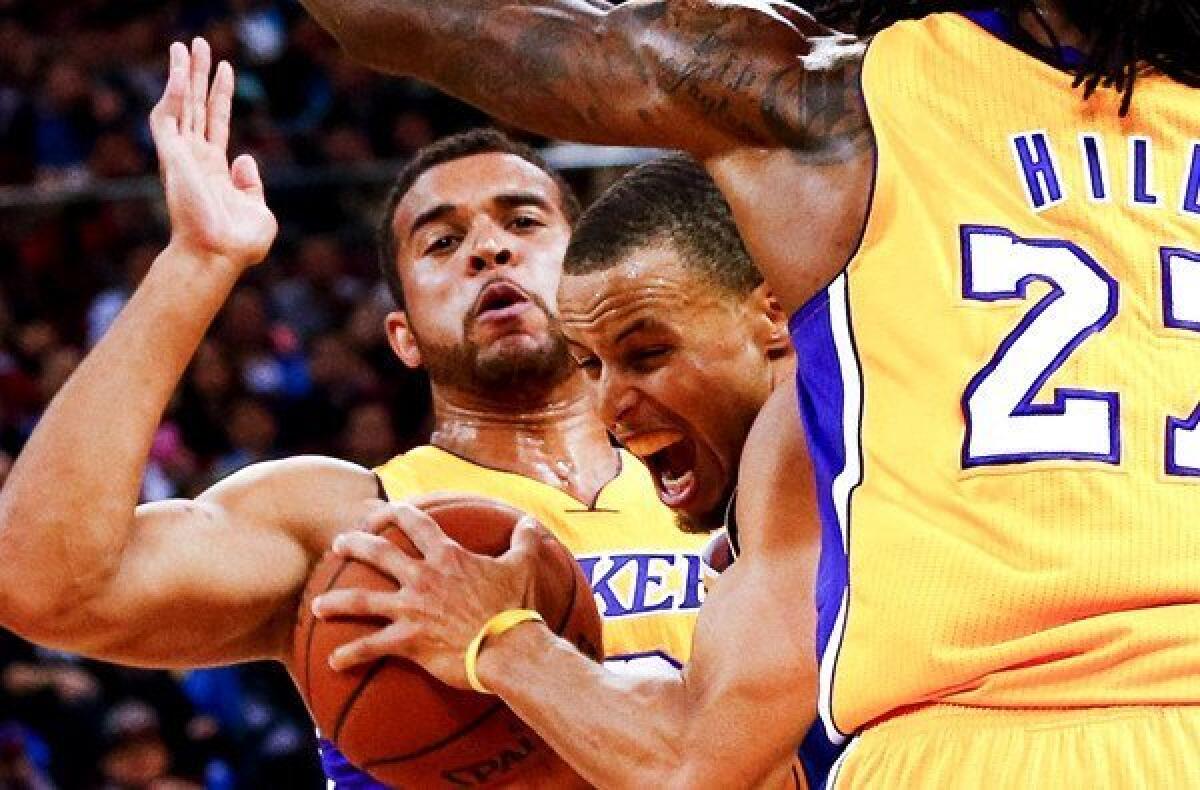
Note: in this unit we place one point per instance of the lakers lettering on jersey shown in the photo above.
(647, 576)
(1009, 484)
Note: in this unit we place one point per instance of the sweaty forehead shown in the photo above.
(649, 285)
(474, 182)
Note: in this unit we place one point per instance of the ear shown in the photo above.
(402, 340)
(769, 321)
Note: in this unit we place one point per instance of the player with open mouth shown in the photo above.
(677, 335)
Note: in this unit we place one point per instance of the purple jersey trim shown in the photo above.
(999, 26)
(341, 774)
(821, 393)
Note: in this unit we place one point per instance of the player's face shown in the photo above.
(678, 369)
(480, 248)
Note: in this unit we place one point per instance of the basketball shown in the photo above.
(400, 724)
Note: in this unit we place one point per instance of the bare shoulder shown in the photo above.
(298, 471)
(776, 493)
(311, 497)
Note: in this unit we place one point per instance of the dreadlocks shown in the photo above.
(1127, 36)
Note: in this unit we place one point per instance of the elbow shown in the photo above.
(367, 31)
(17, 606)
(668, 769)
(675, 770)
(38, 599)
(34, 613)
(685, 762)
(48, 615)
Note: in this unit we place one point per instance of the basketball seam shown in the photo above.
(436, 745)
(354, 695)
(367, 677)
(380, 663)
(433, 747)
(312, 627)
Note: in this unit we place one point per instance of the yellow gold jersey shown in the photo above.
(648, 577)
(1001, 391)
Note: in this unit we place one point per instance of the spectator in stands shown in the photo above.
(253, 431)
(135, 756)
(18, 770)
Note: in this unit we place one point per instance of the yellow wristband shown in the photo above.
(494, 627)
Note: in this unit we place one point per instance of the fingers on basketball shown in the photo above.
(378, 552)
(397, 639)
(425, 533)
(526, 545)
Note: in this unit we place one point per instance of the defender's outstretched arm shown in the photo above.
(699, 75)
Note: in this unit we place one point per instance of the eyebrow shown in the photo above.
(505, 199)
(518, 199)
(430, 216)
(638, 326)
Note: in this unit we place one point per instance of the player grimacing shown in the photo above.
(994, 279)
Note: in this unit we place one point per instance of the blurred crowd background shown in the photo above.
(296, 363)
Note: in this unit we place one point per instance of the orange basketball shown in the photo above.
(400, 724)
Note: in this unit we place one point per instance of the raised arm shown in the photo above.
(744, 702)
(173, 583)
(698, 75)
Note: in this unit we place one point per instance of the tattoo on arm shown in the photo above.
(809, 99)
(820, 115)
(688, 74)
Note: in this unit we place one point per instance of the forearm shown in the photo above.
(699, 76)
(508, 58)
(544, 679)
(67, 508)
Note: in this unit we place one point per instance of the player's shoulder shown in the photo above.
(301, 470)
(281, 489)
(399, 474)
(913, 46)
(429, 468)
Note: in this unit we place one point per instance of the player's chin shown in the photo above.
(522, 356)
(516, 345)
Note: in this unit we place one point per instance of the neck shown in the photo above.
(1050, 18)
(556, 439)
(783, 370)
(781, 373)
